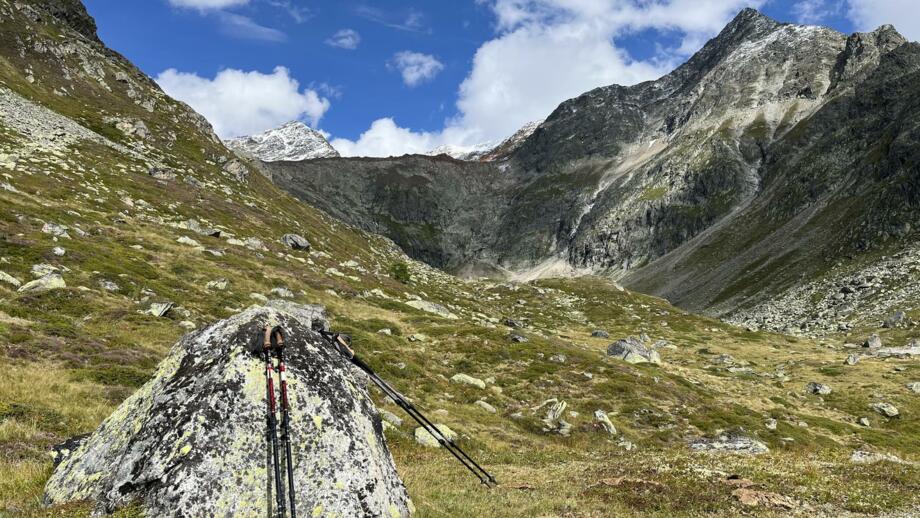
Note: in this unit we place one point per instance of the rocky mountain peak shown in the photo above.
(293, 141)
(73, 13)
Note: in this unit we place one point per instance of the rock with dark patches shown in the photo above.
(295, 241)
(192, 442)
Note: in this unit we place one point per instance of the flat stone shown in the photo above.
(431, 307)
(425, 438)
(52, 281)
(466, 379)
(886, 409)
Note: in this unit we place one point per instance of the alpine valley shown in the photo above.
(695, 296)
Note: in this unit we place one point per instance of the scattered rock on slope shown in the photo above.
(632, 350)
(191, 442)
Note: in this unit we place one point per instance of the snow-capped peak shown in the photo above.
(293, 141)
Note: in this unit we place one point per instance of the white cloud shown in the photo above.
(242, 103)
(345, 39)
(244, 27)
(207, 4)
(814, 12)
(415, 67)
(547, 51)
(867, 15)
(409, 21)
(386, 138)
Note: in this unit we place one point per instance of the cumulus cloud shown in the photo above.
(869, 14)
(207, 4)
(239, 103)
(345, 39)
(415, 67)
(386, 138)
(547, 51)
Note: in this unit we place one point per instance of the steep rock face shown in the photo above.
(192, 441)
(761, 129)
(73, 13)
(440, 210)
(294, 141)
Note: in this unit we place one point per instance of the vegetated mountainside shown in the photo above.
(798, 141)
(124, 222)
(292, 141)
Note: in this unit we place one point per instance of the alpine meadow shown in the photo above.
(696, 295)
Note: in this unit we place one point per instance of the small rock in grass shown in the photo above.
(284, 293)
(852, 359)
(258, 297)
(599, 333)
(52, 281)
(771, 424)
(818, 389)
(159, 309)
(914, 387)
(295, 242)
(863, 421)
(185, 240)
(385, 331)
(390, 417)
(108, 285)
(423, 437)
(418, 337)
(603, 420)
(874, 341)
(466, 379)
(9, 279)
(518, 339)
(219, 284)
(58, 251)
(55, 230)
(485, 406)
(886, 409)
(41, 270)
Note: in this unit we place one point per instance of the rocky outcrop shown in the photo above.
(191, 442)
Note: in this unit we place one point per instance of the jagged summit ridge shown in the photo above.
(293, 141)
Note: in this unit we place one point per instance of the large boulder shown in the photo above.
(633, 350)
(192, 441)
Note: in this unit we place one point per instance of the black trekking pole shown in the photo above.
(272, 420)
(278, 335)
(340, 342)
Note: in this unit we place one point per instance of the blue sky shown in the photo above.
(395, 76)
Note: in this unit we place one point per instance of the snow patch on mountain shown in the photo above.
(487, 151)
(294, 141)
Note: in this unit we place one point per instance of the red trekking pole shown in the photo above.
(278, 335)
(272, 431)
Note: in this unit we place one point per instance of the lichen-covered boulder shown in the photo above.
(192, 441)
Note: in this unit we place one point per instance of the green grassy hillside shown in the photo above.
(69, 356)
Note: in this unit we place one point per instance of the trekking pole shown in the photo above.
(278, 335)
(272, 420)
(341, 345)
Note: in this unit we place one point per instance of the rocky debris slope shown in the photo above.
(876, 295)
(191, 442)
(774, 150)
(293, 141)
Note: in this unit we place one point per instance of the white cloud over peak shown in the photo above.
(239, 103)
(415, 67)
(207, 4)
(345, 39)
(867, 15)
(547, 51)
